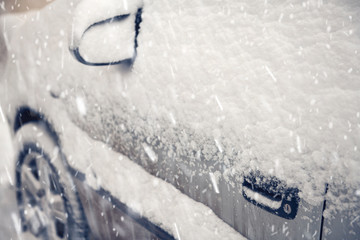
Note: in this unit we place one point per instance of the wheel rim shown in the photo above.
(41, 198)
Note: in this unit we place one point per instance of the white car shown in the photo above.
(185, 119)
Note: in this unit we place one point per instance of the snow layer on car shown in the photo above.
(86, 13)
(272, 86)
(147, 195)
(278, 80)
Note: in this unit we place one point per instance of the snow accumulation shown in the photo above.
(217, 86)
(263, 200)
(116, 39)
(6, 165)
(272, 86)
(86, 13)
(149, 196)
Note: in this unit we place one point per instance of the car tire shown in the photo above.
(48, 202)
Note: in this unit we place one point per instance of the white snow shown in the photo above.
(261, 199)
(88, 12)
(7, 166)
(262, 71)
(111, 42)
(271, 74)
(150, 196)
(2, 115)
(214, 182)
(273, 78)
(81, 105)
(150, 152)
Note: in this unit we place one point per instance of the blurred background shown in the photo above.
(21, 5)
(9, 218)
(9, 222)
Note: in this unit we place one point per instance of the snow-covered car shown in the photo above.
(186, 119)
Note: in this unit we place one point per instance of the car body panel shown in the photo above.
(201, 113)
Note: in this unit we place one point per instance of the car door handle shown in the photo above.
(271, 195)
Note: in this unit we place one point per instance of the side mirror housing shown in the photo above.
(105, 39)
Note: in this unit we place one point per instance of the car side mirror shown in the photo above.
(105, 37)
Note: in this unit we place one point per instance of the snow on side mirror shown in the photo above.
(104, 35)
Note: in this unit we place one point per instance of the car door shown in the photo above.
(241, 123)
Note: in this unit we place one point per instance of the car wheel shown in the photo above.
(46, 195)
